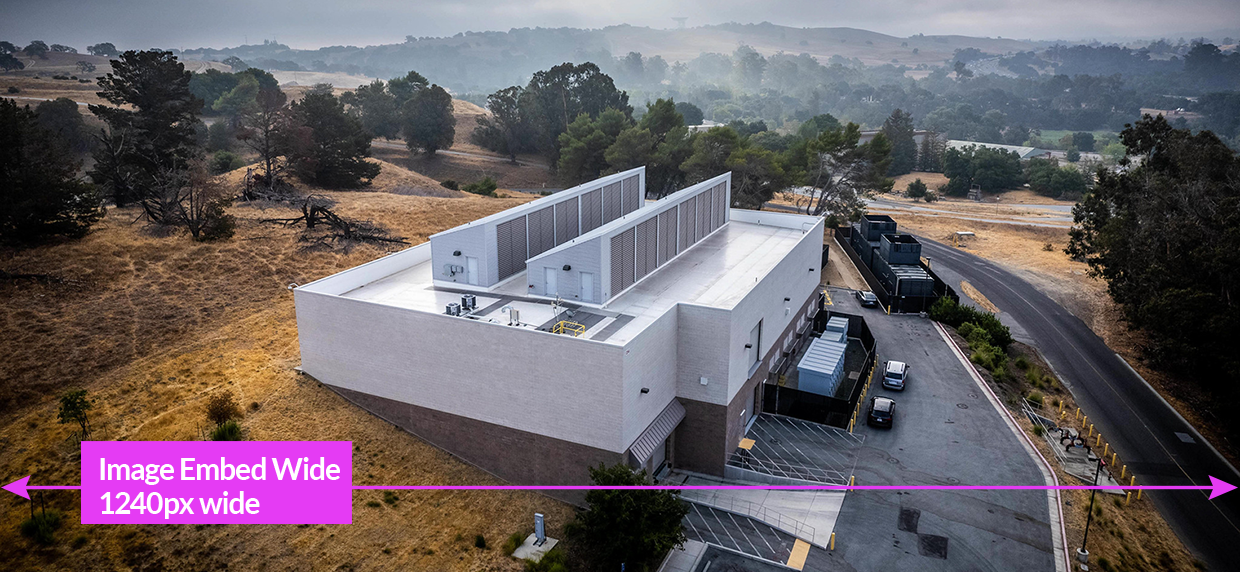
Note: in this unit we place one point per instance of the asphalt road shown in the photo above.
(1158, 445)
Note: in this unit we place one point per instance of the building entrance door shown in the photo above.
(587, 287)
(550, 286)
(471, 270)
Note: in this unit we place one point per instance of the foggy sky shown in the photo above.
(317, 23)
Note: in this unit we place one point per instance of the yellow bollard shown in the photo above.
(852, 480)
(1062, 414)
(1128, 499)
(832, 545)
(1091, 430)
(1123, 472)
(1078, 413)
(1084, 421)
(1097, 443)
(1113, 461)
(1061, 406)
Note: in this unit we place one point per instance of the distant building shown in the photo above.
(705, 126)
(1024, 152)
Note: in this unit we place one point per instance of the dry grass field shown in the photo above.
(152, 325)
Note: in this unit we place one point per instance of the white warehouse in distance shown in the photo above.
(584, 327)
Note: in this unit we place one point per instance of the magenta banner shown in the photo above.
(217, 482)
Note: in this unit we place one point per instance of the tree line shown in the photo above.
(151, 151)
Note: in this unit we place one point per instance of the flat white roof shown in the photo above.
(717, 272)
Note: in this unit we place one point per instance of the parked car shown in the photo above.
(895, 374)
(867, 298)
(882, 412)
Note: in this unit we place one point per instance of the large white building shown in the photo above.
(603, 328)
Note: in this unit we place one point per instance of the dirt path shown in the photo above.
(840, 270)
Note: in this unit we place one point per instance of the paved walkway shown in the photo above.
(809, 515)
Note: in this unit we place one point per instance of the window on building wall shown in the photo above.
(755, 343)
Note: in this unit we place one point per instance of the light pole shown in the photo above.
(1082, 554)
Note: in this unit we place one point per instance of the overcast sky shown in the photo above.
(315, 23)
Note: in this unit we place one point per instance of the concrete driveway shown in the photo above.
(946, 432)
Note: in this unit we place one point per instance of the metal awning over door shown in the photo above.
(658, 432)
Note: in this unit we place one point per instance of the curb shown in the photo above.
(1061, 564)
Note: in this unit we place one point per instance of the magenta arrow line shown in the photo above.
(1216, 487)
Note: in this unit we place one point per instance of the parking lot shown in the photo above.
(946, 432)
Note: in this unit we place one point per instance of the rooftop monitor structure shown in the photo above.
(488, 251)
(600, 265)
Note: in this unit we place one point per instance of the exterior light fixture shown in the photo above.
(786, 299)
(456, 253)
(567, 267)
(748, 346)
(645, 390)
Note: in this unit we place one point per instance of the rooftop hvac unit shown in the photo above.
(469, 302)
(454, 309)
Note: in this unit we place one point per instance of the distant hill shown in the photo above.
(484, 61)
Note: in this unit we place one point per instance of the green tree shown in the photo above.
(105, 49)
(376, 107)
(899, 131)
(1165, 235)
(63, 49)
(711, 151)
(991, 169)
(74, 409)
(661, 142)
(272, 130)
(555, 97)
(1047, 178)
(817, 124)
(40, 194)
(7, 47)
(632, 148)
(428, 121)
(404, 88)
(9, 63)
(630, 527)
(151, 128)
(37, 49)
(84, 67)
(1073, 155)
(916, 190)
(333, 151)
(583, 146)
(506, 130)
(239, 100)
(63, 117)
(692, 114)
(842, 173)
(756, 175)
(930, 154)
(1083, 141)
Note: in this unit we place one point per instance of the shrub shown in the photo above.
(14, 89)
(931, 196)
(221, 408)
(553, 561)
(1048, 247)
(229, 431)
(1038, 430)
(1021, 363)
(514, 541)
(373, 504)
(450, 184)
(480, 541)
(1034, 377)
(954, 314)
(224, 161)
(80, 541)
(989, 357)
(965, 329)
(1036, 398)
(41, 528)
(486, 187)
(390, 498)
(977, 336)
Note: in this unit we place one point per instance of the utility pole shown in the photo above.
(1082, 554)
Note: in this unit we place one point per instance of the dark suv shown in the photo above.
(867, 298)
(882, 412)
